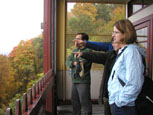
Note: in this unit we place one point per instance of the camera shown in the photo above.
(78, 70)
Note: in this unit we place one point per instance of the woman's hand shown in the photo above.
(80, 42)
(77, 54)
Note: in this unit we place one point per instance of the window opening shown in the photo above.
(95, 19)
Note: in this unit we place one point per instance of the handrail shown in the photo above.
(36, 97)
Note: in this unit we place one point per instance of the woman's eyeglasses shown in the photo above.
(114, 32)
(113, 42)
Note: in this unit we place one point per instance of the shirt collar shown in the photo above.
(121, 49)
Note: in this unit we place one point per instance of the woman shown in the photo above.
(126, 78)
(106, 59)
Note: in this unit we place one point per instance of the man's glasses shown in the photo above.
(77, 39)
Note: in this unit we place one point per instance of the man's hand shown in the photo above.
(75, 63)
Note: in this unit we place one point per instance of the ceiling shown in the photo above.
(102, 1)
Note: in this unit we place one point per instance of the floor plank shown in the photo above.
(67, 110)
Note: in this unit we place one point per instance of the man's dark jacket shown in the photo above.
(107, 59)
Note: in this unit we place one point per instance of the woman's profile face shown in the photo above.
(116, 45)
(117, 35)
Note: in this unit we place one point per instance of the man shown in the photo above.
(80, 74)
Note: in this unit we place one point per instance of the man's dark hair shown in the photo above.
(84, 36)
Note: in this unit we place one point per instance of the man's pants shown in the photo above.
(81, 97)
(125, 110)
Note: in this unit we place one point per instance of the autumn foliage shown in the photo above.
(95, 19)
(6, 79)
(19, 68)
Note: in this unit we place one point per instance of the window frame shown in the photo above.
(142, 23)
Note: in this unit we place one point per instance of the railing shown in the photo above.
(34, 102)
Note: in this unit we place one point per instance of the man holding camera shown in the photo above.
(80, 74)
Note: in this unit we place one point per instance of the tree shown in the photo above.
(4, 73)
(93, 19)
(118, 13)
(20, 69)
(104, 12)
(82, 18)
(85, 9)
(6, 80)
(24, 62)
(38, 46)
(82, 24)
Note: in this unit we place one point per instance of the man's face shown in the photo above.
(78, 37)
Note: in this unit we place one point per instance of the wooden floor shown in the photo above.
(67, 110)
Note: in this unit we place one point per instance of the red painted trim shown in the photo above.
(46, 35)
(147, 22)
(52, 32)
(143, 20)
(47, 47)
